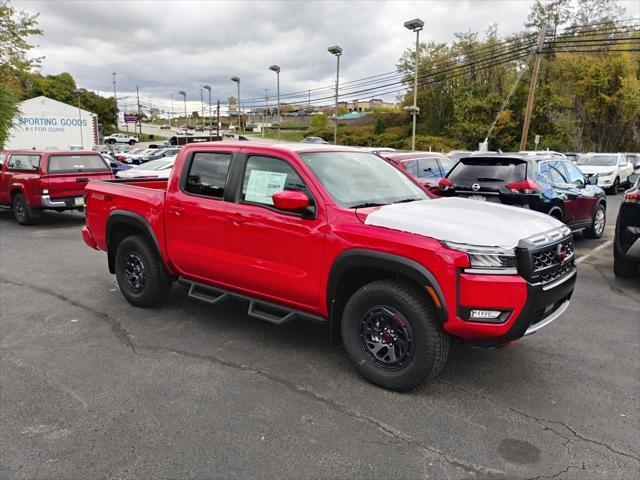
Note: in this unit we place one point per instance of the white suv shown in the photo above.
(612, 169)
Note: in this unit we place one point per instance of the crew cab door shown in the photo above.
(22, 170)
(274, 253)
(195, 216)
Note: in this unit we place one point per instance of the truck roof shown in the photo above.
(288, 147)
(50, 152)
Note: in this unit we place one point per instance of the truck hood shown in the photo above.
(463, 221)
(591, 169)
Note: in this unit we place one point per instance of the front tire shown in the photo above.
(615, 187)
(391, 333)
(140, 273)
(23, 213)
(598, 222)
(132, 142)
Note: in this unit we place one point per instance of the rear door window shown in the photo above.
(471, 170)
(412, 167)
(24, 162)
(76, 163)
(208, 174)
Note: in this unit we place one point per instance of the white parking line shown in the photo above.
(597, 249)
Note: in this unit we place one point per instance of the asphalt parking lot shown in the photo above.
(92, 387)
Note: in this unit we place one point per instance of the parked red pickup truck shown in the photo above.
(31, 180)
(336, 235)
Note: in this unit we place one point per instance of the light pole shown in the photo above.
(276, 68)
(78, 93)
(202, 105)
(172, 112)
(337, 51)
(237, 81)
(208, 89)
(184, 95)
(415, 25)
(115, 99)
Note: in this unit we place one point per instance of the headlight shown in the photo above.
(605, 174)
(488, 259)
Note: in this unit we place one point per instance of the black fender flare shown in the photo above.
(119, 217)
(394, 264)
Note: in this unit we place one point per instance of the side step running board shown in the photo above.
(260, 309)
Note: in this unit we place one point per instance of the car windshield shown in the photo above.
(76, 163)
(598, 160)
(155, 164)
(359, 179)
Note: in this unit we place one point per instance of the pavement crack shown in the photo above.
(561, 472)
(385, 428)
(116, 326)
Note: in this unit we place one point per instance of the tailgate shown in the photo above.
(68, 174)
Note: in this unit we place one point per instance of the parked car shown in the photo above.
(153, 154)
(122, 156)
(166, 126)
(456, 155)
(426, 167)
(183, 131)
(626, 244)
(611, 169)
(543, 153)
(120, 138)
(117, 166)
(186, 126)
(572, 156)
(338, 236)
(544, 184)
(378, 150)
(32, 180)
(154, 169)
(318, 140)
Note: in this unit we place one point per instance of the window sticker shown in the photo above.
(262, 184)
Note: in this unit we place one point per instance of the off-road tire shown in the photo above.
(156, 285)
(23, 213)
(430, 346)
(592, 231)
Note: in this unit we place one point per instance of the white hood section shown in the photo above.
(590, 169)
(464, 221)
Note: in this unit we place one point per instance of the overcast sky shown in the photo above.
(167, 46)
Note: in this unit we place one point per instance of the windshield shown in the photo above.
(76, 163)
(598, 160)
(155, 165)
(357, 179)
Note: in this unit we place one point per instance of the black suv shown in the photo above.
(546, 184)
(626, 246)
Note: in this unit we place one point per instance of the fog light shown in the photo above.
(484, 314)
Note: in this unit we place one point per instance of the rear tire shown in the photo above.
(132, 142)
(139, 272)
(615, 187)
(622, 267)
(23, 213)
(598, 222)
(391, 332)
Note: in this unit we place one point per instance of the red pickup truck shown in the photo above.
(31, 180)
(340, 236)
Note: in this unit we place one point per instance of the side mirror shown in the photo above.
(633, 178)
(290, 200)
(593, 180)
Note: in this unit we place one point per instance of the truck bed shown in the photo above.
(142, 197)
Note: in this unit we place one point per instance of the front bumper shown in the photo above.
(66, 203)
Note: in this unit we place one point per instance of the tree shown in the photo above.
(15, 28)
(319, 121)
(380, 125)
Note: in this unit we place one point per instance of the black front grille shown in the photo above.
(547, 264)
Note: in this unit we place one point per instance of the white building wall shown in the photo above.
(46, 123)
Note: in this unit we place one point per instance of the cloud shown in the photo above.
(167, 46)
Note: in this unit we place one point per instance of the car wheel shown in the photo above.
(556, 212)
(598, 222)
(391, 333)
(622, 267)
(615, 187)
(139, 272)
(132, 142)
(23, 214)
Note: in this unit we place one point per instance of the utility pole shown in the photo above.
(532, 89)
(264, 114)
(201, 106)
(218, 121)
(115, 99)
(171, 117)
(139, 119)
(309, 107)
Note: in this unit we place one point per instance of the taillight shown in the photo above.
(631, 198)
(445, 184)
(524, 186)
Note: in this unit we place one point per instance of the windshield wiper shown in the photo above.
(406, 200)
(368, 204)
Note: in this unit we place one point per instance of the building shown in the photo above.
(368, 105)
(44, 123)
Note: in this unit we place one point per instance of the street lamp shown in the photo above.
(208, 89)
(276, 68)
(237, 80)
(184, 94)
(78, 93)
(337, 51)
(414, 25)
(202, 105)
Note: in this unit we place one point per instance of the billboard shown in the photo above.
(131, 117)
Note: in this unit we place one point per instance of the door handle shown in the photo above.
(82, 180)
(177, 210)
(238, 219)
